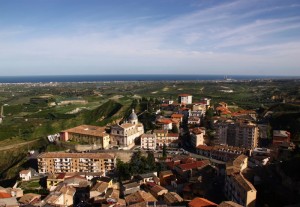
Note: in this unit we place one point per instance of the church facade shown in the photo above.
(125, 134)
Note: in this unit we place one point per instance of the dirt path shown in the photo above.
(17, 145)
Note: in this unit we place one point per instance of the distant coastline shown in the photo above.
(144, 77)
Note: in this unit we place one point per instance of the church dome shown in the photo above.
(132, 116)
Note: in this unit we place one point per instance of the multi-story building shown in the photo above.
(240, 133)
(87, 134)
(148, 141)
(164, 123)
(163, 137)
(125, 134)
(221, 152)
(237, 187)
(194, 120)
(221, 132)
(280, 137)
(247, 134)
(185, 99)
(197, 137)
(61, 162)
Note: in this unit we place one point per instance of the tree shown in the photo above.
(151, 161)
(136, 163)
(164, 152)
(175, 129)
(123, 170)
(209, 113)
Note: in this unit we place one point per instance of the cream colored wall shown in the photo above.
(251, 198)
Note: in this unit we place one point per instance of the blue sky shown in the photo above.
(58, 37)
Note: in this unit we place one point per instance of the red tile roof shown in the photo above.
(193, 165)
(173, 135)
(88, 130)
(177, 115)
(61, 176)
(204, 147)
(164, 121)
(184, 94)
(201, 202)
(197, 130)
(25, 172)
(5, 195)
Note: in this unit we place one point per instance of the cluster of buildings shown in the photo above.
(235, 128)
(85, 179)
(72, 181)
(237, 187)
(121, 134)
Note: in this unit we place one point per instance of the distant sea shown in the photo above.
(101, 78)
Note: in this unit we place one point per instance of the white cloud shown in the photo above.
(198, 41)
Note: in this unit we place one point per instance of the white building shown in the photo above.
(185, 99)
(148, 141)
(25, 175)
(125, 134)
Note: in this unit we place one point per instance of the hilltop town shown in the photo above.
(186, 150)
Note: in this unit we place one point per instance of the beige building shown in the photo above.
(163, 137)
(125, 134)
(197, 137)
(247, 134)
(148, 141)
(237, 187)
(60, 162)
(87, 134)
(240, 133)
(221, 131)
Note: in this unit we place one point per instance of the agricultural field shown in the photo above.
(30, 112)
(35, 110)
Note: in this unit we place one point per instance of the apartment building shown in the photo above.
(148, 141)
(163, 137)
(185, 99)
(247, 134)
(87, 134)
(220, 152)
(60, 162)
(221, 132)
(240, 133)
(237, 187)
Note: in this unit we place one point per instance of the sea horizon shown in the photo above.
(136, 77)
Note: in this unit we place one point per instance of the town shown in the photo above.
(193, 154)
